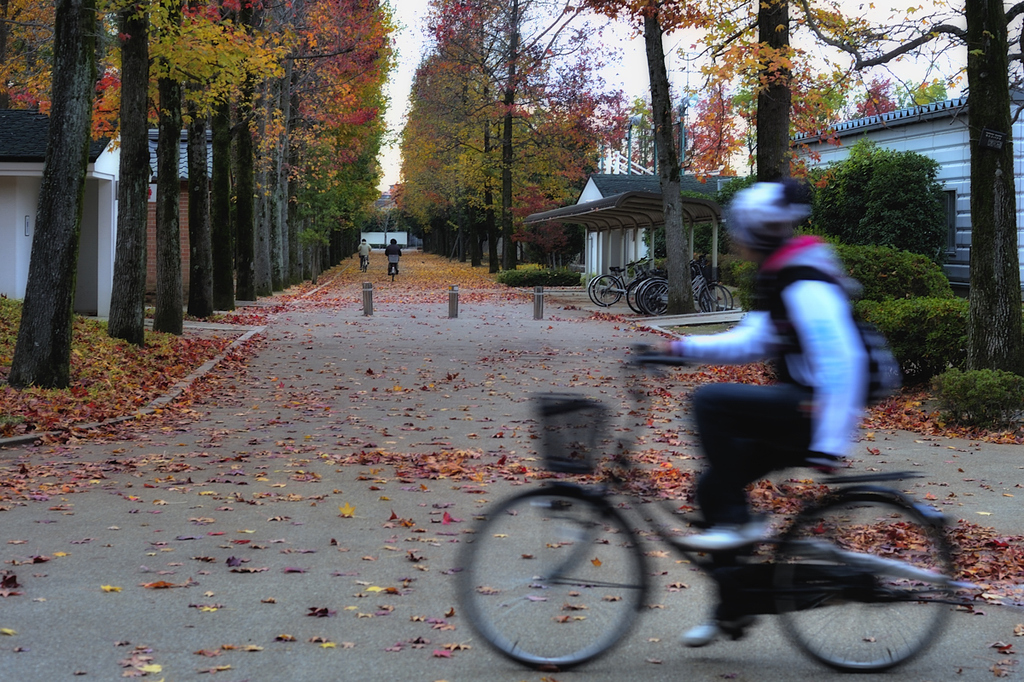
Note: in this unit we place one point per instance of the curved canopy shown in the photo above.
(628, 210)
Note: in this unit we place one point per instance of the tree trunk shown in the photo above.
(263, 237)
(168, 314)
(994, 324)
(200, 243)
(246, 288)
(507, 156)
(774, 100)
(281, 181)
(128, 294)
(490, 220)
(42, 354)
(220, 211)
(680, 296)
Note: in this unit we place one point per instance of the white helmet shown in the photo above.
(762, 216)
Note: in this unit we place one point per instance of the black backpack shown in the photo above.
(884, 374)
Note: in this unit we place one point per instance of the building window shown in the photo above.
(949, 197)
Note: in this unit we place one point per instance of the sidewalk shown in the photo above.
(308, 526)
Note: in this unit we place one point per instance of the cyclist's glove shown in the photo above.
(823, 462)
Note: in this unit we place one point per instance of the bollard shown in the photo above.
(367, 298)
(538, 303)
(453, 301)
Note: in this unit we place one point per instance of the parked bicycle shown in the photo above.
(607, 290)
(555, 576)
(708, 295)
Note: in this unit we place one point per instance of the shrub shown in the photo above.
(888, 273)
(983, 397)
(539, 277)
(739, 274)
(884, 197)
(927, 335)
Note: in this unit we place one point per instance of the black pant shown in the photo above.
(747, 432)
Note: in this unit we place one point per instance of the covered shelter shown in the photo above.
(616, 225)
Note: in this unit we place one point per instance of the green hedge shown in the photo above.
(927, 335)
(885, 274)
(888, 273)
(533, 277)
(983, 397)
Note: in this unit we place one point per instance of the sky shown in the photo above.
(629, 74)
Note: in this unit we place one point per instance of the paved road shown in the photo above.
(307, 527)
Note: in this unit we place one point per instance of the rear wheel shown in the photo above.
(552, 577)
(861, 581)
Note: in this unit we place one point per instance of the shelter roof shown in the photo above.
(628, 210)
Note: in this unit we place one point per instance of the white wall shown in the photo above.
(946, 140)
(18, 199)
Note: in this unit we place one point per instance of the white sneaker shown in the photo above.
(706, 633)
(722, 537)
(701, 635)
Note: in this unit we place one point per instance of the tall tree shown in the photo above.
(994, 324)
(220, 210)
(128, 294)
(167, 316)
(42, 354)
(774, 97)
(656, 17)
(200, 276)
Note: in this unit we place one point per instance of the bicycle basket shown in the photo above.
(571, 429)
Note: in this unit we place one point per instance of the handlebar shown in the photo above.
(643, 354)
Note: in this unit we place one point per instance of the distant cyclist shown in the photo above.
(393, 251)
(364, 255)
(803, 321)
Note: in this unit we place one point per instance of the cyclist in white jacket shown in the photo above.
(803, 321)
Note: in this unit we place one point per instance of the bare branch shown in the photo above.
(1014, 12)
(859, 61)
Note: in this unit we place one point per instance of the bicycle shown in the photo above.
(607, 290)
(364, 263)
(392, 266)
(708, 295)
(555, 576)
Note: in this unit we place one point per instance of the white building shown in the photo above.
(938, 131)
(23, 136)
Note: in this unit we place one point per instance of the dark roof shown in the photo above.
(628, 210)
(610, 184)
(182, 153)
(23, 137)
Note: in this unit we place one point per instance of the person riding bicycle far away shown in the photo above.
(364, 249)
(393, 251)
(802, 319)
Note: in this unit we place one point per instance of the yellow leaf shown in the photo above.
(596, 562)
(347, 511)
(328, 645)
(110, 588)
(985, 513)
(374, 588)
(151, 668)
(60, 554)
(208, 492)
(207, 609)
(8, 632)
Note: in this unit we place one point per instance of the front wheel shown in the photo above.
(552, 577)
(605, 290)
(862, 581)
